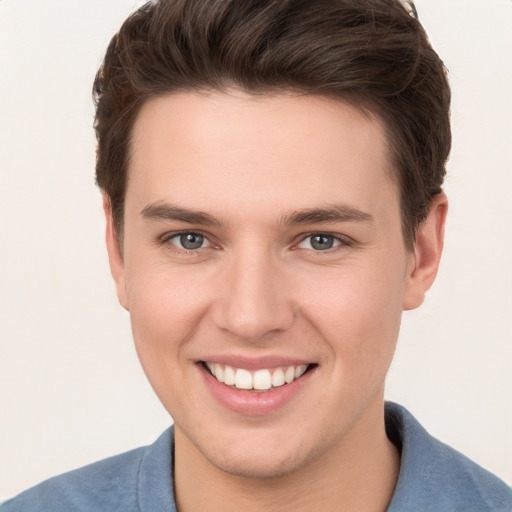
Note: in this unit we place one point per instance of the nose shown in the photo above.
(253, 302)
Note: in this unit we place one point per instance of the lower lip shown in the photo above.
(253, 403)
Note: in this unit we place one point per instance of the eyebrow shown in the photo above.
(334, 213)
(164, 211)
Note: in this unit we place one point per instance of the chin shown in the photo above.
(261, 466)
(260, 457)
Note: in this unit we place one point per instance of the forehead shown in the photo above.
(250, 151)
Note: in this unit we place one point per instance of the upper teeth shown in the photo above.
(260, 379)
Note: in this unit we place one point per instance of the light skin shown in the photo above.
(294, 253)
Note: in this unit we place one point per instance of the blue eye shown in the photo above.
(319, 242)
(189, 241)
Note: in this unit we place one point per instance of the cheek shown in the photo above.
(165, 309)
(358, 313)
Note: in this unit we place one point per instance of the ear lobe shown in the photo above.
(426, 256)
(115, 256)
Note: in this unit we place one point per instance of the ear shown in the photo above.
(425, 258)
(115, 256)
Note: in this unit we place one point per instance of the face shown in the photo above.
(263, 248)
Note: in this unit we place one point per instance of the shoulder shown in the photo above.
(435, 477)
(123, 482)
(111, 480)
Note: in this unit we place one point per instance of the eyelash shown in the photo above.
(168, 237)
(342, 242)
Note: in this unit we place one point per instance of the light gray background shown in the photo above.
(71, 390)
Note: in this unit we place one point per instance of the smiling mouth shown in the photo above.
(259, 380)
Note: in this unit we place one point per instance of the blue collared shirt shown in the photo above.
(433, 478)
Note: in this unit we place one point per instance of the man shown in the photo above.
(271, 174)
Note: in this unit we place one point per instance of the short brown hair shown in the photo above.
(373, 53)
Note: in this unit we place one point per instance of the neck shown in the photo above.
(359, 473)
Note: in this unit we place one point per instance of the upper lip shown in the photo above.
(255, 363)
